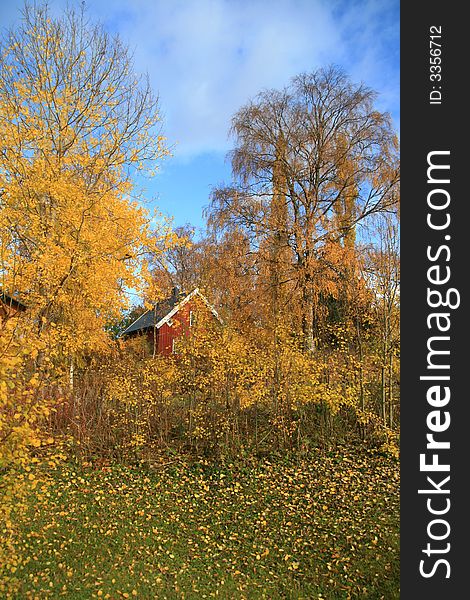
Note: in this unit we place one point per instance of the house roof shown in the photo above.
(10, 301)
(163, 311)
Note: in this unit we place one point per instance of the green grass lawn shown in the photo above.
(325, 527)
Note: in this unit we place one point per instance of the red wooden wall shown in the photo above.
(177, 326)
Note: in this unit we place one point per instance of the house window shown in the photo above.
(175, 346)
(191, 318)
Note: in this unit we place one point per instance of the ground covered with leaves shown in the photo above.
(326, 526)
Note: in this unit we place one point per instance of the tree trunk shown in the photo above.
(384, 398)
(390, 390)
(308, 335)
(71, 373)
(362, 401)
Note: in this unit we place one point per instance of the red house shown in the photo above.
(169, 320)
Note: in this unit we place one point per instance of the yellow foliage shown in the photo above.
(22, 411)
(71, 238)
(75, 126)
(220, 382)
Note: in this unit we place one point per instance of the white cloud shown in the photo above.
(206, 58)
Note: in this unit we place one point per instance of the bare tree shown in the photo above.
(383, 272)
(337, 159)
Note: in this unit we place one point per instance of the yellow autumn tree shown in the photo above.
(75, 125)
(310, 163)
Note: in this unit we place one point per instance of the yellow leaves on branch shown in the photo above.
(20, 411)
(74, 127)
(216, 383)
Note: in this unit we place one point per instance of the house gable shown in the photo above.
(163, 329)
(180, 305)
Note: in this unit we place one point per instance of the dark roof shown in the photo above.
(10, 301)
(164, 310)
(151, 317)
(148, 319)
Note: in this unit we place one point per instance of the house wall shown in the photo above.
(179, 326)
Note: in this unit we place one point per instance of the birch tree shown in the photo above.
(337, 158)
(76, 124)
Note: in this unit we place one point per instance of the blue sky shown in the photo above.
(206, 58)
